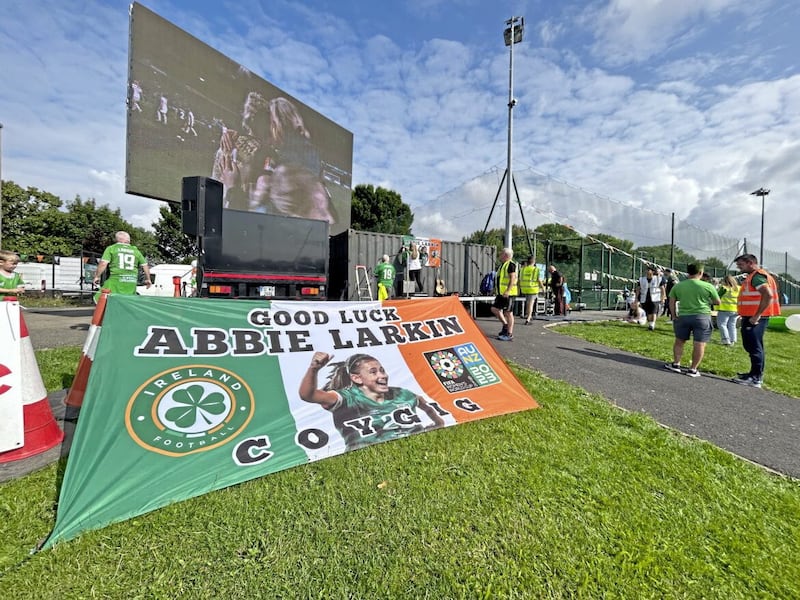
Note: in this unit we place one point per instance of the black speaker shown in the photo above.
(201, 206)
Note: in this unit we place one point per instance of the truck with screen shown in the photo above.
(259, 255)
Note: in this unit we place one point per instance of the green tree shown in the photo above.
(32, 221)
(519, 241)
(618, 243)
(173, 245)
(380, 210)
(92, 228)
(661, 255)
(147, 243)
(36, 222)
(562, 243)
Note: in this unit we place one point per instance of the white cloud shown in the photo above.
(634, 30)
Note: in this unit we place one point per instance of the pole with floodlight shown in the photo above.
(512, 35)
(763, 193)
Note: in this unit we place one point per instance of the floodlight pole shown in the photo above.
(513, 31)
(763, 193)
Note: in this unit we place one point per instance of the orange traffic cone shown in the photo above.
(41, 430)
(77, 390)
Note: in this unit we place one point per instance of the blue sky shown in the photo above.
(680, 106)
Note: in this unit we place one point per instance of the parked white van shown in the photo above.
(161, 277)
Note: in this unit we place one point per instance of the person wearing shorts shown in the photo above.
(690, 302)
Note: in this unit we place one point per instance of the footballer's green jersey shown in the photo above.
(362, 420)
(385, 272)
(123, 268)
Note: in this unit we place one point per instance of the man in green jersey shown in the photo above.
(123, 261)
(385, 273)
(365, 409)
(690, 304)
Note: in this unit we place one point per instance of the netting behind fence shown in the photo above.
(544, 199)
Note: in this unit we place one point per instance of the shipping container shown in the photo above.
(461, 270)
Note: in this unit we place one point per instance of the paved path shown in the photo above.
(759, 425)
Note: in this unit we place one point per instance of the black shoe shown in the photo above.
(674, 367)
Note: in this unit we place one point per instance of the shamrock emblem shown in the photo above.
(193, 408)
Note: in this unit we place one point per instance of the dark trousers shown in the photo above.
(416, 277)
(559, 302)
(753, 342)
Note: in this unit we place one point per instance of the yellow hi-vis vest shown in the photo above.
(749, 298)
(529, 280)
(503, 279)
(728, 302)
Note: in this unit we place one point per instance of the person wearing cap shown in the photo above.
(385, 273)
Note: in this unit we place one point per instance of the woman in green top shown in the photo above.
(363, 405)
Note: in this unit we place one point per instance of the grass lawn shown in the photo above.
(782, 348)
(576, 499)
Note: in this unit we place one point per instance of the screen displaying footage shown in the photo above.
(193, 111)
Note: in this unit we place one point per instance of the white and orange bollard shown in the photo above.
(41, 432)
(77, 390)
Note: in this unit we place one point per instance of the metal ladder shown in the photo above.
(363, 286)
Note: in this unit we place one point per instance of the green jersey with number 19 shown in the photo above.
(123, 266)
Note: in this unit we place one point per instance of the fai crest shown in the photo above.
(189, 409)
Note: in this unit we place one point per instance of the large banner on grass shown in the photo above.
(189, 395)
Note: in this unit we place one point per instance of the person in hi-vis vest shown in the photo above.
(727, 311)
(757, 302)
(530, 282)
(506, 286)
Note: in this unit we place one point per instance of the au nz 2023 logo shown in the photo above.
(461, 368)
(189, 409)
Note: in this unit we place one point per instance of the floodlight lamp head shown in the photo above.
(760, 192)
(517, 24)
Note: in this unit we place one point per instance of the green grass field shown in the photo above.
(577, 499)
(781, 350)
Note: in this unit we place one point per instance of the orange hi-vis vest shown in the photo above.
(749, 298)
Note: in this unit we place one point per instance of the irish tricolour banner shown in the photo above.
(189, 395)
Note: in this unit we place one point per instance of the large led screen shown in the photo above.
(193, 111)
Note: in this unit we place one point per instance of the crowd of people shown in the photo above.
(700, 304)
(690, 305)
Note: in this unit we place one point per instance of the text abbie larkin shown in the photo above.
(283, 331)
